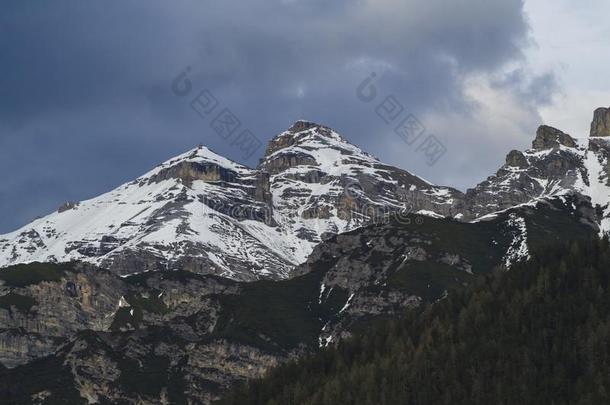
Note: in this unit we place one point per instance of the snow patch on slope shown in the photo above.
(594, 183)
(518, 250)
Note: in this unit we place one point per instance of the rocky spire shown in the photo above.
(549, 137)
(601, 122)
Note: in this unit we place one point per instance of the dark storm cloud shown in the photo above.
(536, 91)
(86, 100)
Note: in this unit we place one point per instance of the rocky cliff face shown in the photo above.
(106, 337)
(47, 303)
(601, 122)
(549, 137)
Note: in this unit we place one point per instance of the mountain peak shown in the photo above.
(303, 136)
(304, 125)
(600, 126)
(548, 137)
(200, 163)
(303, 129)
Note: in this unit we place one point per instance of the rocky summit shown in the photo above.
(601, 122)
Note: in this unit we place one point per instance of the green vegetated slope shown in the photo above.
(278, 315)
(537, 334)
(23, 275)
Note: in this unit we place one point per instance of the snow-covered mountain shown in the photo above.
(161, 220)
(557, 165)
(205, 213)
(321, 185)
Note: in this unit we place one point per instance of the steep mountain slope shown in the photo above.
(537, 334)
(207, 214)
(183, 336)
(161, 220)
(321, 184)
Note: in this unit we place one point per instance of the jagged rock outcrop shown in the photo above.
(516, 158)
(601, 122)
(281, 142)
(557, 165)
(69, 205)
(549, 137)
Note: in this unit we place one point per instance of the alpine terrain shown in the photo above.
(203, 272)
(204, 213)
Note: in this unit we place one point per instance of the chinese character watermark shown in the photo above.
(408, 128)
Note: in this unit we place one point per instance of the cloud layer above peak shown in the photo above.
(87, 100)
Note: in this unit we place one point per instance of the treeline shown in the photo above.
(537, 334)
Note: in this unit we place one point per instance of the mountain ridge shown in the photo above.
(205, 213)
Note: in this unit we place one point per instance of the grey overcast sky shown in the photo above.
(86, 101)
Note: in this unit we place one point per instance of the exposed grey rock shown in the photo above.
(546, 170)
(70, 205)
(549, 137)
(600, 126)
(188, 172)
(84, 299)
(516, 158)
